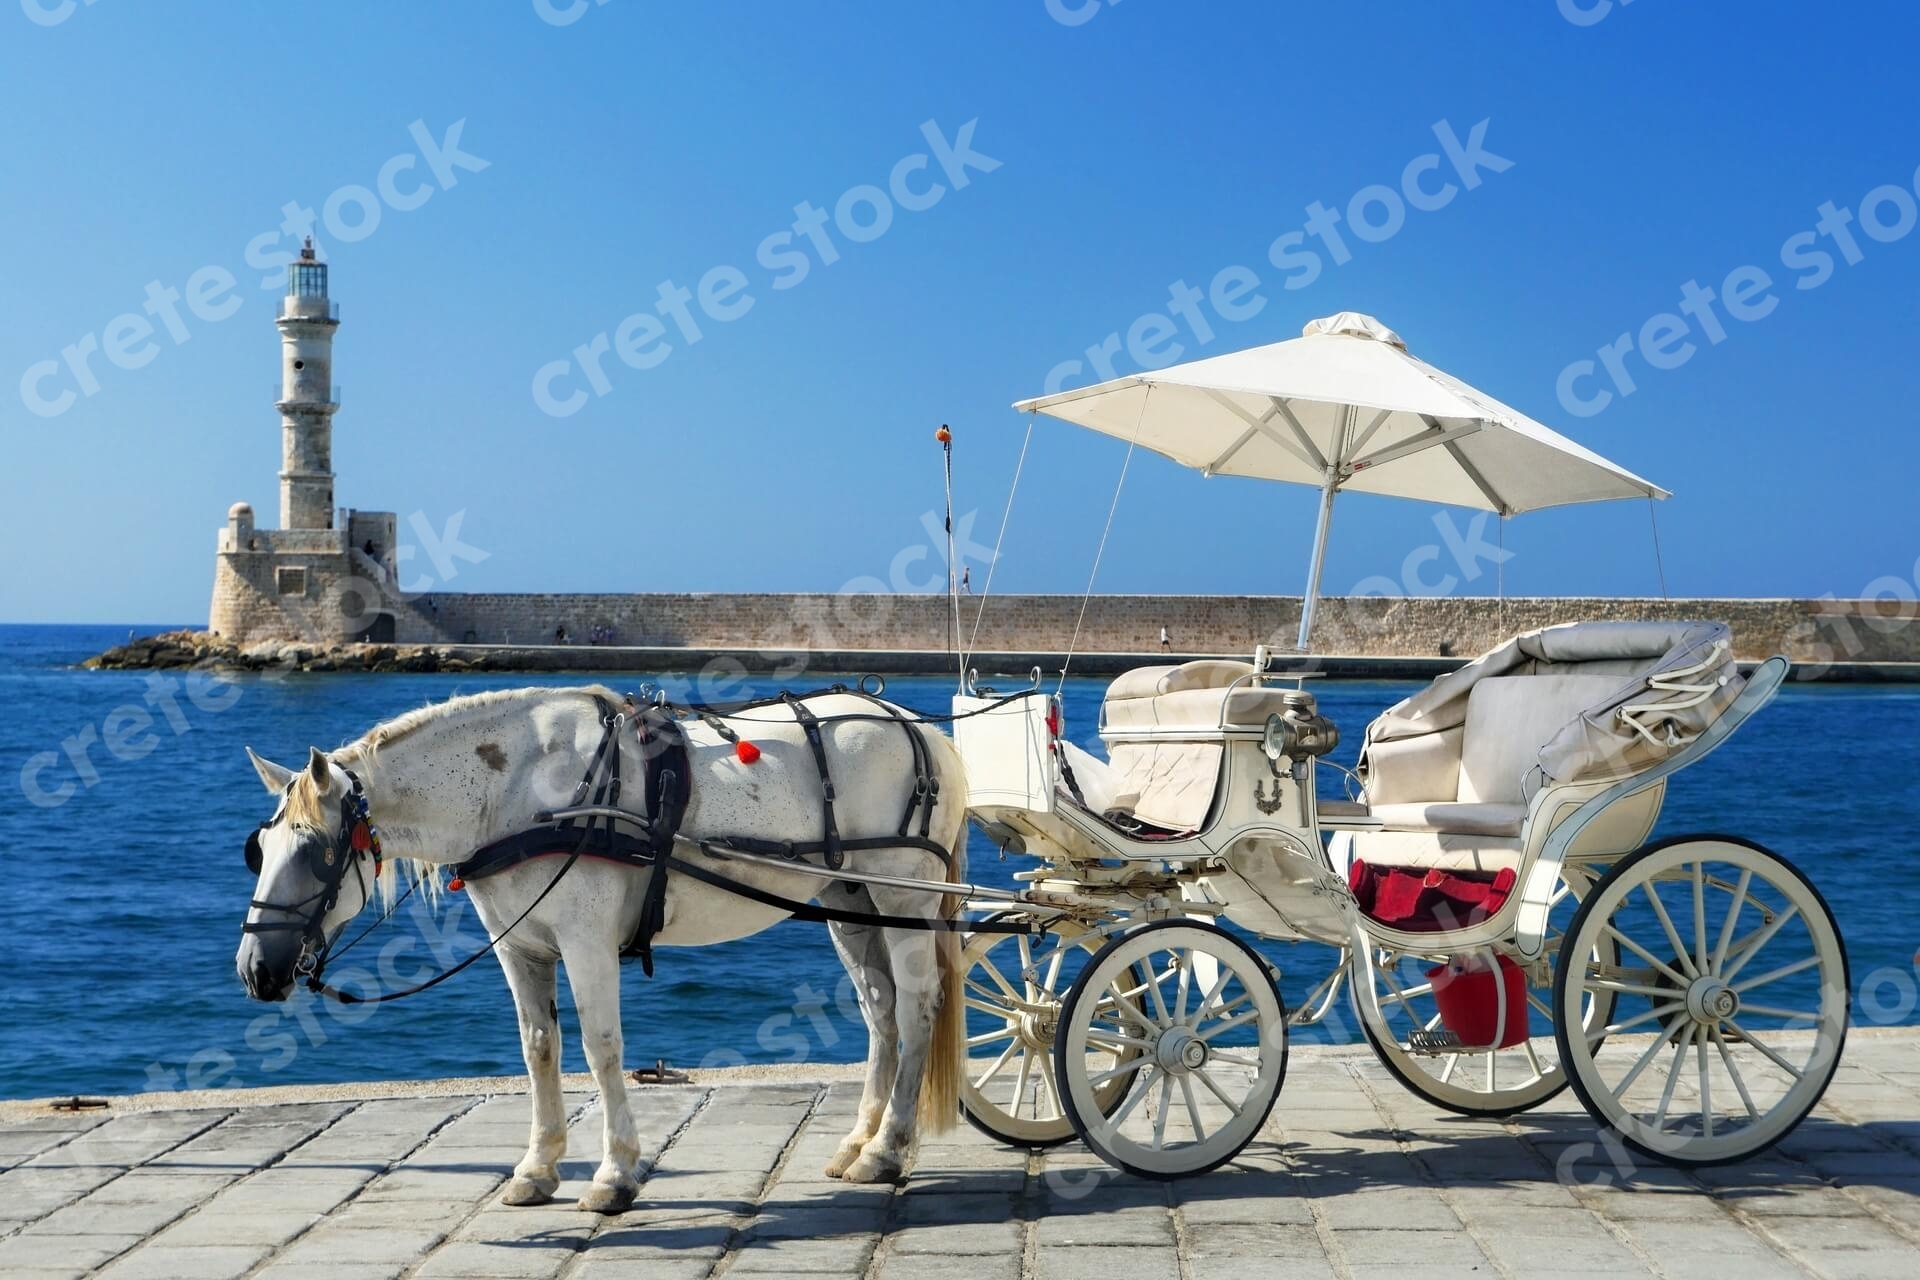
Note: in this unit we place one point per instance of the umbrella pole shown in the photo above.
(1312, 597)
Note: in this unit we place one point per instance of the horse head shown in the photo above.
(316, 861)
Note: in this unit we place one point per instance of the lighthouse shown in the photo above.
(315, 578)
(307, 321)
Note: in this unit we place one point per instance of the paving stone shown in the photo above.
(927, 1266)
(1105, 1262)
(958, 1238)
(206, 1262)
(22, 1252)
(846, 1257)
(532, 1260)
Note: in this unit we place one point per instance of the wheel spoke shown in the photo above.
(1185, 965)
(1193, 1109)
(1682, 955)
(1208, 1080)
(1750, 948)
(1653, 1050)
(1053, 1090)
(999, 980)
(1100, 1078)
(1739, 1083)
(1700, 929)
(1673, 1075)
(1775, 1058)
(1772, 1011)
(989, 1037)
(994, 1070)
(1160, 1115)
(1733, 919)
(1116, 1043)
(1140, 1091)
(1232, 1058)
(1219, 985)
(1630, 988)
(1706, 1085)
(1774, 975)
(1020, 1081)
(1220, 1027)
(1678, 978)
(1159, 1002)
(1658, 1011)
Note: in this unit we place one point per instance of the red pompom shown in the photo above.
(456, 884)
(943, 435)
(747, 752)
(361, 839)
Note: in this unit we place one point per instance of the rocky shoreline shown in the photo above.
(204, 651)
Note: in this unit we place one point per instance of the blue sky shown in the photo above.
(791, 448)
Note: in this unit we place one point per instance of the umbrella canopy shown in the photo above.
(1346, 407)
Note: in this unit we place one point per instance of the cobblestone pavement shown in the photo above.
(1352, 1178)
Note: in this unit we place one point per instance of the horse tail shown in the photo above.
(946, 1055)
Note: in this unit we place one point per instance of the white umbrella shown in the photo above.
(1345, 407)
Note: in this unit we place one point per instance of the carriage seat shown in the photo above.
(1163, 731)
(1193, 695)
(1457, 799)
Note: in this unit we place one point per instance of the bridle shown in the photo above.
(328, 857)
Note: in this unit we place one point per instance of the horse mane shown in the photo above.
(305, 804)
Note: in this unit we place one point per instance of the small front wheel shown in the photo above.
(1195, 1013)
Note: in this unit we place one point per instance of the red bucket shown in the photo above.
(1469, 1001)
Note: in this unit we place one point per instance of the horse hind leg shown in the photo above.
(913, 961)
(595, 979)
(531, 980)
(864, 954)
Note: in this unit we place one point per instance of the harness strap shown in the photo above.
(819, 914)
(810, 725)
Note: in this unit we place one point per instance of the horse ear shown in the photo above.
(319, 770)
(272, 775)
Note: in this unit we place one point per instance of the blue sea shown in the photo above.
(124, 886)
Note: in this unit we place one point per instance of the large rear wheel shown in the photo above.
(1731, 998)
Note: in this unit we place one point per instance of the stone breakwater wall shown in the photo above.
(1806, 630)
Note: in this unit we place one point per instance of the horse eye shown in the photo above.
(253, 853)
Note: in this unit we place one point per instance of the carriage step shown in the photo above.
(1434, 1042)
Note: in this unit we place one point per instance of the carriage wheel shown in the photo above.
(1731, 998)
(1201, 1011)
(1411, 1043)
(1013, 990)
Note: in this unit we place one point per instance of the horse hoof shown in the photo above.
(837, 1167)
(604, 1199)
(872, 1169)
(525, 1191)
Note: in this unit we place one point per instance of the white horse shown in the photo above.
(444, 780)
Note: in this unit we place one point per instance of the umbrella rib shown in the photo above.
(1479, 481)
(1434, 435)
(1300, 433)
(1379, 421)
(1261, 425)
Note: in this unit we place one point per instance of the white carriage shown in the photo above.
(1503, 929)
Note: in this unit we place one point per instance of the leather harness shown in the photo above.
(667, 789)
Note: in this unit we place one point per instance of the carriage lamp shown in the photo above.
(1298, 732)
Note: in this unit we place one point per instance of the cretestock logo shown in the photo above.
(53, 14)
(862, 214)
(350, 214)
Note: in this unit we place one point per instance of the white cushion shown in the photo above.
(1455, 819)
(1509, 718)
(1446, 851)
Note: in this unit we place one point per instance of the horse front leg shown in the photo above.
(864, 954)
(531, 979)
(594, 976)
